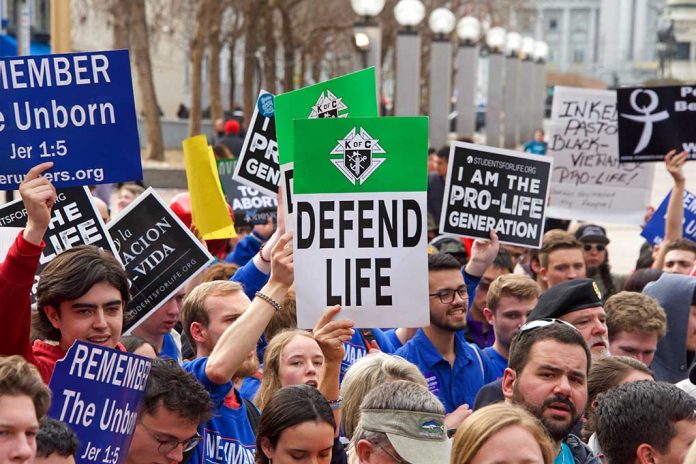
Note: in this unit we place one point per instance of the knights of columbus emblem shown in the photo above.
(358, 150)
(328, 106)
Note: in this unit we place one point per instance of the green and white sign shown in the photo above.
(352, 95)
(361, 220)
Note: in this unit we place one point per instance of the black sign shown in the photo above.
(655, 120)
(489, 188)
(159, 253)
(258, 163)
(74, 221)
(251, 207)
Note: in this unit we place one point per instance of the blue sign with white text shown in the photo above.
(98, 392)
(76, 110)
(654, 231)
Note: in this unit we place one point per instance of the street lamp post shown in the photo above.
(495, 39)
(442, 22)
(368, 35)
(512, 48)
(526, 89)
(408, 13)
(469, 32)
(541, 51)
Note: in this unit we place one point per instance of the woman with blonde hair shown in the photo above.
(367, 373)
(295, 357)
(501, 433)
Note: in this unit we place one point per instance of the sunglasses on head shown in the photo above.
(539, 323)
(596, 246)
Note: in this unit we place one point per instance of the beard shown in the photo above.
(557, 430)
(444, 324)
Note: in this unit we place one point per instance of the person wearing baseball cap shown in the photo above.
(401, 421)
(578, 302)
(594, 250)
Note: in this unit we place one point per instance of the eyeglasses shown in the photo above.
(167, 445)
(537, 324)
(597, 246)
(446, 295)
(396, 459)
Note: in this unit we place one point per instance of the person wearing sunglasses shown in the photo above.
(547, 375)
(175, 405)
(594, 250)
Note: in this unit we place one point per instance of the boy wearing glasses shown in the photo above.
(175, 405)
(594, 250)
(455, 370)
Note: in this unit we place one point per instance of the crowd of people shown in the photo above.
(533, 356)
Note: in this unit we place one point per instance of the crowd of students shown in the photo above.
(561, 359)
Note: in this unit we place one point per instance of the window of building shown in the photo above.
(578, 56)
(683, 51)
(553, 24)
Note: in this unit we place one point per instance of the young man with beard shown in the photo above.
(80, 296)
(549, 364)
(455, 370)
(225, 325)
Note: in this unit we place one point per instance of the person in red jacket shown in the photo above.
(81, 293)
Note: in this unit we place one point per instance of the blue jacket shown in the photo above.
(453, 385)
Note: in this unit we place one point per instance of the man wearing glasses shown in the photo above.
(455, 370)
(547, 375)
(175, 405)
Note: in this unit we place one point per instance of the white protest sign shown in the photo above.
(588, 183)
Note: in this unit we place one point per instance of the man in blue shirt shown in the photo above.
(225, 325)
(510, 300)
(549, 364)
(454, 369)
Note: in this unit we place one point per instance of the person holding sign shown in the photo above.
(455, 370)
(225, 326)
(24, 399)
(81, 294)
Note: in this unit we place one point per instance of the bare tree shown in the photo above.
(252, 15)
(215, 46)
(198, 44)
(141, 51)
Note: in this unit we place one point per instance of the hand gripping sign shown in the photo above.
(98, 392)
(653, 121)
(360, 233)
(76, 110)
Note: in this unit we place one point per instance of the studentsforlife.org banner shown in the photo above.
(159, 252)
(258, 166)
(588, 181)
(76, 110)
(655, 120)
(492, 188)
(351, 95)
(99, 392)
(75, 221)
(360, 234)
